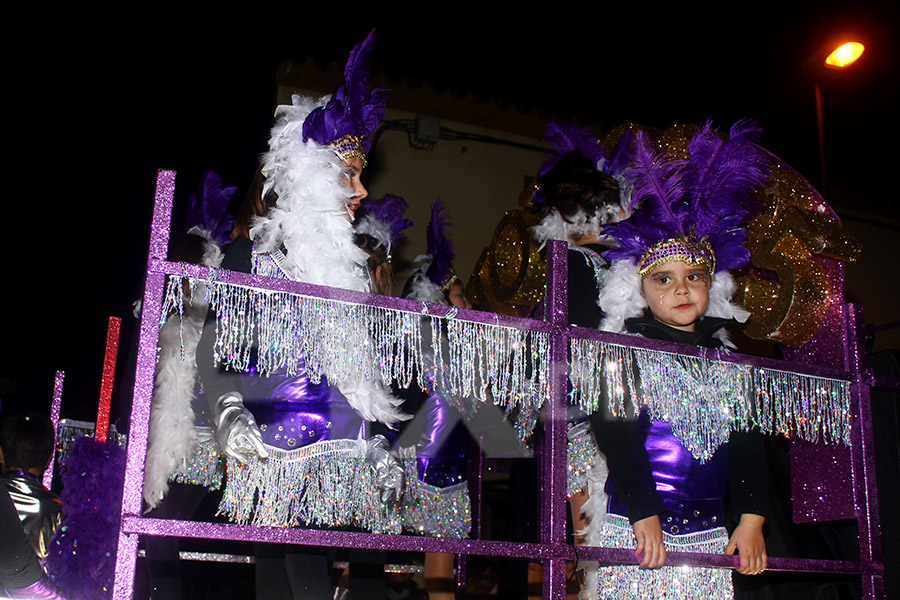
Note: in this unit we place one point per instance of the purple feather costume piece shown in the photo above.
(83, 552)
(354, 110)
(440, 247)
(703, 197)
(383, 220)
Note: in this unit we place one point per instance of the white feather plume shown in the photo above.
(172, 437)
(373, 401)
(421, 288)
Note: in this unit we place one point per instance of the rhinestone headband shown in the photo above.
(690, 251)
(349, 146)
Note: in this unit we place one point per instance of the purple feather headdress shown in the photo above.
(691, 209)
(383, 220)
(567, 138)
(208, 210)
(354, 110)
(439, 246)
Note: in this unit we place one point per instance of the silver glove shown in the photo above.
(236, 430)
(388, 470)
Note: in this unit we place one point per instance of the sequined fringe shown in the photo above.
(580, 458)
(355, 342)
(704, 400)
(327, 484)
(433, 511)
(206, 467)
(629, 582)
(69, 430)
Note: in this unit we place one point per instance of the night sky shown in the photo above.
(95, 109)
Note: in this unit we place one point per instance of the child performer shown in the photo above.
(669, 280)
(299, 451)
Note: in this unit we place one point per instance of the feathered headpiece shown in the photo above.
(383, 220)
(691, 210)
(569, 139)
(692, 207)
(436, 273)
(353, 112)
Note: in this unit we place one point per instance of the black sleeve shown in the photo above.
(583, 292)
(216, 381)
(629, 464)
(748, 477)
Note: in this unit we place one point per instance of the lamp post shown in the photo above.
(841, 56)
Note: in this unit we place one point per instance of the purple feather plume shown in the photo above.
(353, 109)
(439, 246)
(383, 219)
(208, 209)
(82, 557)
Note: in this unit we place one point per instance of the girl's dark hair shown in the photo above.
(383, 280)
(575, 184)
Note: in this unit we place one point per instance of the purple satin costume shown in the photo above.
(443, 446)
(692, 491)
(293, 412)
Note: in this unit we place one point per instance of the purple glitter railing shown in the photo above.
(552, 549)
(54, 420)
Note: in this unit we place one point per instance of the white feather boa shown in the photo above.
(172, 436)
(310, 220)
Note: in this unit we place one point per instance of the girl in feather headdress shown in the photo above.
(300, 452)
(669, 280)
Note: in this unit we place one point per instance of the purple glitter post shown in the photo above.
(553, 479)
(54, 420)
(126, 553)
(863, 457)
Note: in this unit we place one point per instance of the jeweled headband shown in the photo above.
(349, 146)
(690, 251)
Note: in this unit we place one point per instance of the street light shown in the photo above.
(841, 56)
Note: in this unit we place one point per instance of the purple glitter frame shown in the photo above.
(552, 549)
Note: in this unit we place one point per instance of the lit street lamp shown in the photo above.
(841, 56)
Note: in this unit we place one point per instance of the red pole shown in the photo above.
(107, 379)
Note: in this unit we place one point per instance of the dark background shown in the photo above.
(96, 103)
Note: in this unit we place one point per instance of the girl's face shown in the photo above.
(456, 295)
(677, 293)
(353, 167)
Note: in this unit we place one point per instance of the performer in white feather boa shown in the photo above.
(299, 451)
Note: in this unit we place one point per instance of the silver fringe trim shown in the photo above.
(354, 342)
(704, 400)
(206, 466)
(628, 582)
(580, 458)
(434, 511)
(70, 429)
(327, 484)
